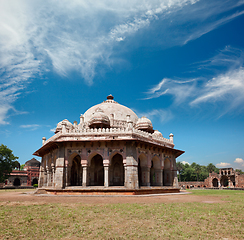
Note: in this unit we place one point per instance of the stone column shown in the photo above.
(45, 178)
(66, 175)
(132, 173)
(41, 176)
(60, 166)
(148, 177)
(106, 179)
(84, 177)
(53, 173)
(160, 177)
(125, 176)
(175, 179)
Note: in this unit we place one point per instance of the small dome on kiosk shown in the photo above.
(66, 123)
(99, 119)
(144, 124)
(157, 133)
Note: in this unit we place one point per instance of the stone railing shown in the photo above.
(76, 132)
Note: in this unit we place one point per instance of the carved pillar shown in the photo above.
(160, 177)
(84, 178)
(60, 166)
(45, 178)
(175, 178)
(41, 176)
(106, 179)
(106, 172)
(66, 175)
(148, 182)
(125, 169)
(53, 173)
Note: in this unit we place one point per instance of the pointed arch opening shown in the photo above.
(142, 170)
(17, 182)
(116, 171)
(224, 181)
(76, 172)
(155, 171)
(34, 181)
(96, 171)
(215, 182)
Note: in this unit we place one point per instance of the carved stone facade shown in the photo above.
(226, 178)
(110, 147)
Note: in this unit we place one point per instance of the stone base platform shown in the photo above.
(107, 191)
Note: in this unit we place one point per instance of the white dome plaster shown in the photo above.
(109, 107)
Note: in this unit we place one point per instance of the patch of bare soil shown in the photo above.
(29, 198)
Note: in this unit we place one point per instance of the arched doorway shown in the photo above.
(215, 182)
(76, 172)
(34, 181)
(143, 170)
(116, 171)
(167, 173)
(17, 182)
(232, 179)
(224, 181)
(96, 171)
(155, 178)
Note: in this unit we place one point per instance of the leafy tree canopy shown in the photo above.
(240, 171)
(7, 162)
(22, 166)
(194, 172)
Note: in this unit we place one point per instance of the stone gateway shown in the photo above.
(110, 148)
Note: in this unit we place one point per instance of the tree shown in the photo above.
(211, 168)
(16, 165)
(180, 167)
(22, 166)
(197, 170)
(7, 162)
(239, 171)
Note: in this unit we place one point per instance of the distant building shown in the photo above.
(226, 178)
(26, 177)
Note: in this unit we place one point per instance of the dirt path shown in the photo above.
(29, 198)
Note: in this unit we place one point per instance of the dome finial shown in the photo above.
(110, 97)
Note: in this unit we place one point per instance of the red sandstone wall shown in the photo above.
(241, 181)
(193, 184)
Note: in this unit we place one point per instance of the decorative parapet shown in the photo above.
(104, 133)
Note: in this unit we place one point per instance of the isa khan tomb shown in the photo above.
(110, 151)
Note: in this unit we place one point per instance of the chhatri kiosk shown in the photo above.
(110, 151)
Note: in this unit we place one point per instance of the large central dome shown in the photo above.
(117, 113)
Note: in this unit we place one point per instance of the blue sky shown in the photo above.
(178, 62)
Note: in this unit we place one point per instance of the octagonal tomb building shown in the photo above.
(109, 147)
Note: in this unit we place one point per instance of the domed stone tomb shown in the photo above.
(109, 149)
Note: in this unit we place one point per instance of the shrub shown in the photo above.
(35, 185)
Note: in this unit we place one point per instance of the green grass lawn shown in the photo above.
(223, 220)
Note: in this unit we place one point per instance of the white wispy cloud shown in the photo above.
(164, 115)
(223, 165)
(31, 127)
(239, 163)
(184, 162)
(79, 35)
(225, 85)
(211, 26)
(239, 160)
(66, 36)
